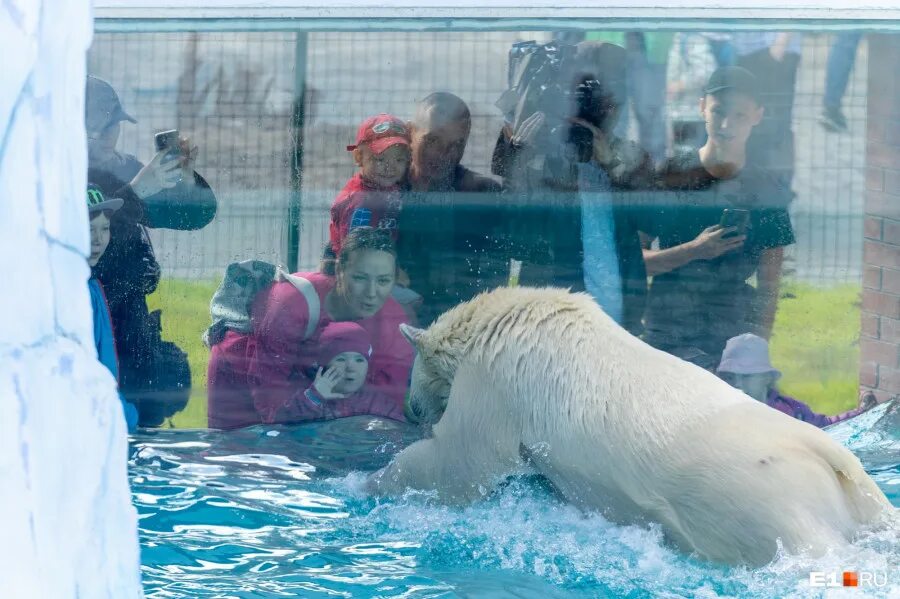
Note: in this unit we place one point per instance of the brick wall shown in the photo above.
(880, 328)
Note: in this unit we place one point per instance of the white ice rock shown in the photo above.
(66, 519)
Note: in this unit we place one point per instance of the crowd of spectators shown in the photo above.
(678, 236)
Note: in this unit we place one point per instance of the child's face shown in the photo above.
(353, 367)
(99, 236)
(385, 169)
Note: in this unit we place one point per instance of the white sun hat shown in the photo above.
(747, 354)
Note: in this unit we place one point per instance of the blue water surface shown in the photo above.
(276, 511)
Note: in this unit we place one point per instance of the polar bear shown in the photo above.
(545, 376)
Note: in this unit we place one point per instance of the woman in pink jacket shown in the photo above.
(261, 376)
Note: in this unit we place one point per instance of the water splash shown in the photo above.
(251, 514)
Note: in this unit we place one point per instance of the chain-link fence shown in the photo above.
(234, 94)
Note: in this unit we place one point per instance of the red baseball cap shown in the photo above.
(380, 132)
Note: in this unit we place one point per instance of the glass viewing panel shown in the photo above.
(290, 197)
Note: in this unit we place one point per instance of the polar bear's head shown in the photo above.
(476, 329)
(432, 375)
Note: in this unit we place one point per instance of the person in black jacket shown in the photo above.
(165, 193)
(571, 222)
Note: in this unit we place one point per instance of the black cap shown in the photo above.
(733, 79)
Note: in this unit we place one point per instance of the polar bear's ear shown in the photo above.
(412, 334)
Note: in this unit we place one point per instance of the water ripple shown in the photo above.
(281, 512)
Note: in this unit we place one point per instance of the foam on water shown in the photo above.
(252, 514)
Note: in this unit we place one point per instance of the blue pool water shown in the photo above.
(280, 512)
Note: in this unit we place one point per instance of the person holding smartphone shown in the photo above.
(721, 222)
(164, 193)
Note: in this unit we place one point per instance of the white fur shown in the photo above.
(622, 428)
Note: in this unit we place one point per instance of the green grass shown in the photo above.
(185, 315)
(815, 342)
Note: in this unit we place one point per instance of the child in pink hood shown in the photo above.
(339, 388)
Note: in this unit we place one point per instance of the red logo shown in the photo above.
(848, 578)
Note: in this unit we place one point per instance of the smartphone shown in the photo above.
(167, 140)
(737, 218)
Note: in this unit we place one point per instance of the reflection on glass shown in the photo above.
(296, 207)
(681, 178)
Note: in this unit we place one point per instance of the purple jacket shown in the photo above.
(366, 401)
(801, 411)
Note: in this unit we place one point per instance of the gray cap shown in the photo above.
(101, 105)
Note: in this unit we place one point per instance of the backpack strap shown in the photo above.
(308, 291)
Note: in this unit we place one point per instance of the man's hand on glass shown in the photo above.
(526, 133)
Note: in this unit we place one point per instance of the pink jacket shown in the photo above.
(365, 401)
(262, 377)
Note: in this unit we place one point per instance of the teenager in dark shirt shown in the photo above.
(700, 295)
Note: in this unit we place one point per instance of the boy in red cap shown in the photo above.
(371, 198)
(339, 389)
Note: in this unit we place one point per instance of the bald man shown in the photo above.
(440, 132)
(450, 212)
